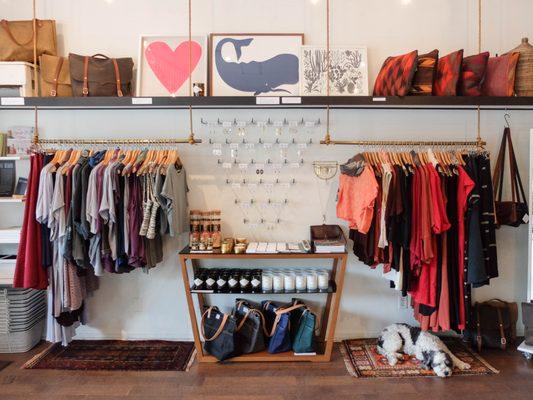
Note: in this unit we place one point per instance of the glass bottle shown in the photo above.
(216, 233)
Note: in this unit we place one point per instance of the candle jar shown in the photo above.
(323, 280)
(277, 282)
(233, 281)
(289, 282)
(266, 282)
(312, 281)
(244, 283)
(222, 282)
(256, 281)
(211, 280)
(199, 279)
(301, 283)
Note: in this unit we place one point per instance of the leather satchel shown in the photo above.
(55, 76)
(527, 319)
(100, 75)
(514, 212)
(494, 324)
(16, 39)
(218, 330)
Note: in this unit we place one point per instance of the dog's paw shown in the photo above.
(464, 366)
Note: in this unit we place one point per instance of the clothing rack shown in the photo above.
(480, 144)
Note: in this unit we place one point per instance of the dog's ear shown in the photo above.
(448, 360)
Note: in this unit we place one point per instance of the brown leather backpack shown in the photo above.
(54, 76)
(100, 75)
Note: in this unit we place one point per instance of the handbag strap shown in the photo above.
(515, 173)
(117, 77)
(85, 90)
(259, 314)
(478, 323)
(503, 341)
(220, 328)
(53, 91)
(5, 25)
(498, 169)
(279, 313)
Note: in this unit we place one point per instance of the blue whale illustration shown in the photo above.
(256, 76)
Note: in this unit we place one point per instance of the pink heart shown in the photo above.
(171, 67)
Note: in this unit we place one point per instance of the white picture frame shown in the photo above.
(164, 70)
(254, 64)
(348, 71)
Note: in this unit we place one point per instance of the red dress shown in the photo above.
(29, 273)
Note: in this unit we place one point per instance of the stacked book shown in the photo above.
(328, 239)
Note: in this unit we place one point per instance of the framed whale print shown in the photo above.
(255, 64)
(348, 72)
(164, 67)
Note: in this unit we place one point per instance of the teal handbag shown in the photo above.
(304, 338)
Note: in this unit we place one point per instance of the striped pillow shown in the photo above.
(425, 74)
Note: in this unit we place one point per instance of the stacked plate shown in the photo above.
(22, 319)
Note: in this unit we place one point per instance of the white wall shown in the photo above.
(154, 306)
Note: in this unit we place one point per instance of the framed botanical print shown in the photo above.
(348, 71)
(164, 66)
(254, 64)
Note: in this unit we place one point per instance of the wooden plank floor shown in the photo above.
(254, 381)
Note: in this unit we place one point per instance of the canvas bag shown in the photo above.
(54, 77)
(280, 335)
(250, 331)
(99, 75)
(303, 326)
(527, 319)
(16, 39)
(514, 212)
(218, 330)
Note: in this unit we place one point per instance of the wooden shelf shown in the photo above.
(328, 320)
(355, 102)
(332, 289)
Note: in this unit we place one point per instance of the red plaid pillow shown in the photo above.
(448, 72)
(396, 75)
(472, 75)
(500, 76)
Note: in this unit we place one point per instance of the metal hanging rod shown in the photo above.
(117, 141)
(477, 143)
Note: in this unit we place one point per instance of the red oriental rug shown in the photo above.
(117, 355)
(363, 361)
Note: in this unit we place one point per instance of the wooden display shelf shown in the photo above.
(329, 319)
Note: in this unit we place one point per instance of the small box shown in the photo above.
(16, 79)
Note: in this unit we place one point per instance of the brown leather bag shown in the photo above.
(494, 324)
(514, 212)
(16, 39)
(100, 75)
(54, 77)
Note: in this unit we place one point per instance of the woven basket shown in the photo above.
(524, 69)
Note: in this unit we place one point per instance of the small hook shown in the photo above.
(507, 119)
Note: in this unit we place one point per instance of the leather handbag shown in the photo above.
(303, 326)
(514, 212)
(218, 330)
(54, 76)
(100, 75)
(527, 319)
(16, 39)
(250, 331)
(494, 324)
(280, 335)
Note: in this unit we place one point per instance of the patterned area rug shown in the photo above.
(363, 361)
(143, 355)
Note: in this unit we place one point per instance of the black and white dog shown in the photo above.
(426, 347)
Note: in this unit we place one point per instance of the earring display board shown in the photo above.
(329, 319)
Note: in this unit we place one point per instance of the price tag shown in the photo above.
(141, 100)
(236, 185)
(379, 99)
(234, 146)
(243, 166)
(12, 101)
(266, 100)
(302, 145)
(291, 100)
(295, 165)
(227, 124)
(283, 145)
(226, 165)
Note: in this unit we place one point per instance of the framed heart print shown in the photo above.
(165, 65)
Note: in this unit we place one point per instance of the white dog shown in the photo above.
(425, 346)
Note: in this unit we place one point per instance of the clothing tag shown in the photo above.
(526, 218)
(267, 100)
(141, 100)
(12, 101)
(226, 165)
(243, 166)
